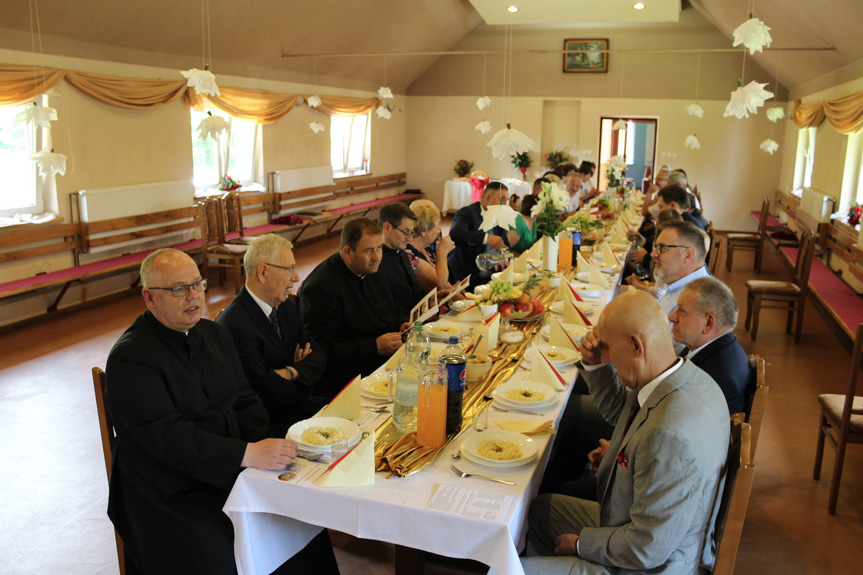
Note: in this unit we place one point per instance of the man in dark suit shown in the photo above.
(470, 241)
(677, 199)
(187, 422)
(397, 221)
(704, 319)
(280, 359)
(348, 308)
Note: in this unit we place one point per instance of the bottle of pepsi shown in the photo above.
(454, 362)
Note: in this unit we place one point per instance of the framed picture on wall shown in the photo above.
(585, 55)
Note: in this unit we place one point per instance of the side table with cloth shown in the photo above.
(457, 193)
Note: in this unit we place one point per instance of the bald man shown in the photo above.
(187, 422)
(660, 483)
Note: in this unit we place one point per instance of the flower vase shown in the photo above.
(549, 253)
(523, 173)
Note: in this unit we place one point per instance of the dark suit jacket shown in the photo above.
(687, 217)
(184, 414)
(261, 352)
(725, 361)
(346, 314)
(468, 238)
(396, 271)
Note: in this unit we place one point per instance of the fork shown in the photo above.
(463, 474)
(376, 409)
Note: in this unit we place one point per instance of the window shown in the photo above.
(809, 156)
(240, 152)
(17, 142)
(349, 145)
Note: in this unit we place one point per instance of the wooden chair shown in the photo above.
(841, 422)
(749, 241)
(789, 295)
(715, 248)
(217, 251)
(739, 476)
(759, 400)
(107, 429)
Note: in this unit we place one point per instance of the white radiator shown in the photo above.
(107, 203)
(292, 180)
(817, 204)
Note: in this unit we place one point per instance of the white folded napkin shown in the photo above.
(356, 468)
(347, 403)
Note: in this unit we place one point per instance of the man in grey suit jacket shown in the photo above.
(660, 483)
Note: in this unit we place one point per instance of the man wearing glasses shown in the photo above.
(397, 221)
(347, 307)
(187, 422)
(280, 359)
(679, 254)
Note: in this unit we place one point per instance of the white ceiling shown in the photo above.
(534, 12)
(249, 38)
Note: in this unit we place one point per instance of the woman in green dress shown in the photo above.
(524, 234)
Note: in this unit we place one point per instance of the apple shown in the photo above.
(506, 309)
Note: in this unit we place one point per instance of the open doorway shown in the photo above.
(636, 143)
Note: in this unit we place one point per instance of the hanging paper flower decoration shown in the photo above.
(753, 34)
(775, 114)
(316, 127)
(692, 142)
(49, 163)
(483, 127)
(619, 125)
(769, 146)
(503, 216)
(747, 99)
(382, 112)
(314, 101)
(202, 81)
(483, 103)
(212, 126)
(385, 92)
(695, 110)
(41, 116)
(509, 142)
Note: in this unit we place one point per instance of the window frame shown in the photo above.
(214, 147)
(364, 168)
(37, 136)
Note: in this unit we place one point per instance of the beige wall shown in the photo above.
(731, 172)
(109, 146)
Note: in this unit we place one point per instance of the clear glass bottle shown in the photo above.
(489, 259)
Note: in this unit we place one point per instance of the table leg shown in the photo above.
(409, 561)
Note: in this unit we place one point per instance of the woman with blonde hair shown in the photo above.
(430, 265)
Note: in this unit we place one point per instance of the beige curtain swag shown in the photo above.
(844, 114)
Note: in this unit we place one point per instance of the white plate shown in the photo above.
(459, 306)
(507, 404)
(445, 329)
(367, 384)
(588, 290)
(495, 465)
(296, 431)
(525, 443)
(546, 392)
(479, 290)
(574, 330)
(560, 355)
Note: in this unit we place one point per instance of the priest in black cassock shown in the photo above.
(187, 422)
(280, 359)
(348, 308)
(397, 221)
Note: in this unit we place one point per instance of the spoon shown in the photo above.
(476, 345)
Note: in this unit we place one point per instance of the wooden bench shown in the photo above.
(298, 200)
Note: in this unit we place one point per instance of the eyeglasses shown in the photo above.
(181, 291)
(661, 248)
(289, 269)
(409, 234)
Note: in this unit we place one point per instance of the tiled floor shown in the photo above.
(54, 488)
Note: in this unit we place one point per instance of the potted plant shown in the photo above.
(522, 161)
(556, 157)
(462, 168)
(551, 201)
(227, 183)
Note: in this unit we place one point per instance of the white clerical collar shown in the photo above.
(644, 392)
(265, 307)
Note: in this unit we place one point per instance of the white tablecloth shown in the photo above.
(274, 520)
(456, 193)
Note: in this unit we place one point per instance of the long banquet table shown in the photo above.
(274, 520)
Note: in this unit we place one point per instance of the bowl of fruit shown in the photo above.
(515, 304)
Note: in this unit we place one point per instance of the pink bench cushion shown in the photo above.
(371, 203)
(846, 305)
(771, 219)
(87, 270)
